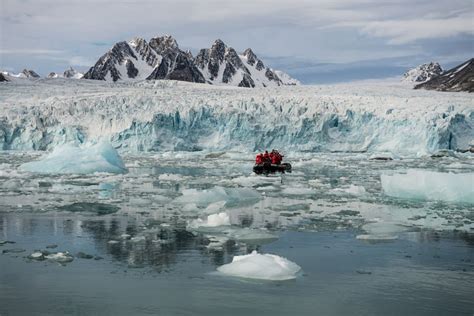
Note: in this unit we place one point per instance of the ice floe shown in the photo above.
(261, 266)
(101, 157)
(430, 185)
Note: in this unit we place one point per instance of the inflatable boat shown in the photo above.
(266, 168)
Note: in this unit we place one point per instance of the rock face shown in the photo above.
(162, 58)
(459, 78)
(423, 73)
(3, 77)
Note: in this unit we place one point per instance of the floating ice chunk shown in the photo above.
(101, 157)
(214, 220)
(233, 196)
(352, 190)
(381, 231)
(215, 207)
(138, 239)
(261, 266)
(430, 185)
(61, 257)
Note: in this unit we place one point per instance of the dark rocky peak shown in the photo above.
(164, 43)
(232, 57)
(218, 50)
(69, 73)
(3, 77)
(144, 50)
(53, 75)
(30, 73)
(251, 57)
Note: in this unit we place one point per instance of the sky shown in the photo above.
(316, 41)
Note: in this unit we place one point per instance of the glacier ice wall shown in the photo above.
(154, 116)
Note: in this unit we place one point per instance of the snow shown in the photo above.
(101, 157)
(169, 115)
(351, 190)
(430, 185)
(261, 266)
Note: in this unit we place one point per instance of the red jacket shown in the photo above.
(266, 157)
(259, 159)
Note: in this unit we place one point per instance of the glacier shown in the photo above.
(179, 116)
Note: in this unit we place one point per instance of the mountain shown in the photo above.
(72, 73)
(28, 73)
(53, 75)
(423, 72)
(139, 60)
(3, 77)
(459, 78)
(221, 64)
(161, 58)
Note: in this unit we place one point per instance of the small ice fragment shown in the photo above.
(261, 266)
(36, 256)
(138, 239)
(61, 257)
(351, 190)
(213, 220)
(125, 236)
(113, 242)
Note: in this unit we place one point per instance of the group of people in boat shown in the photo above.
(274, 158)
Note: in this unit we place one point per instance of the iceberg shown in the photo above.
(101, 157)
(261, 266)
(430, 185)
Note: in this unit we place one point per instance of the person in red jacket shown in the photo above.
(259, 159)
(276, 157)
(266, 157)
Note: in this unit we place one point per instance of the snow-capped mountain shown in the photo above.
(72, 73)
(161, 58)
(53, 75)
(221, 64)
(459, 78)
(26, 73)
(139, 60)
(423, 72)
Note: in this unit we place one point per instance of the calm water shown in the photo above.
(162, 266)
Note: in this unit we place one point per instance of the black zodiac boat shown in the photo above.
(267, 168)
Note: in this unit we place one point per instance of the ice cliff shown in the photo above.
(170, 115)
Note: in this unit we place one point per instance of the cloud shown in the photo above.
(408, 31)
(338, 31)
